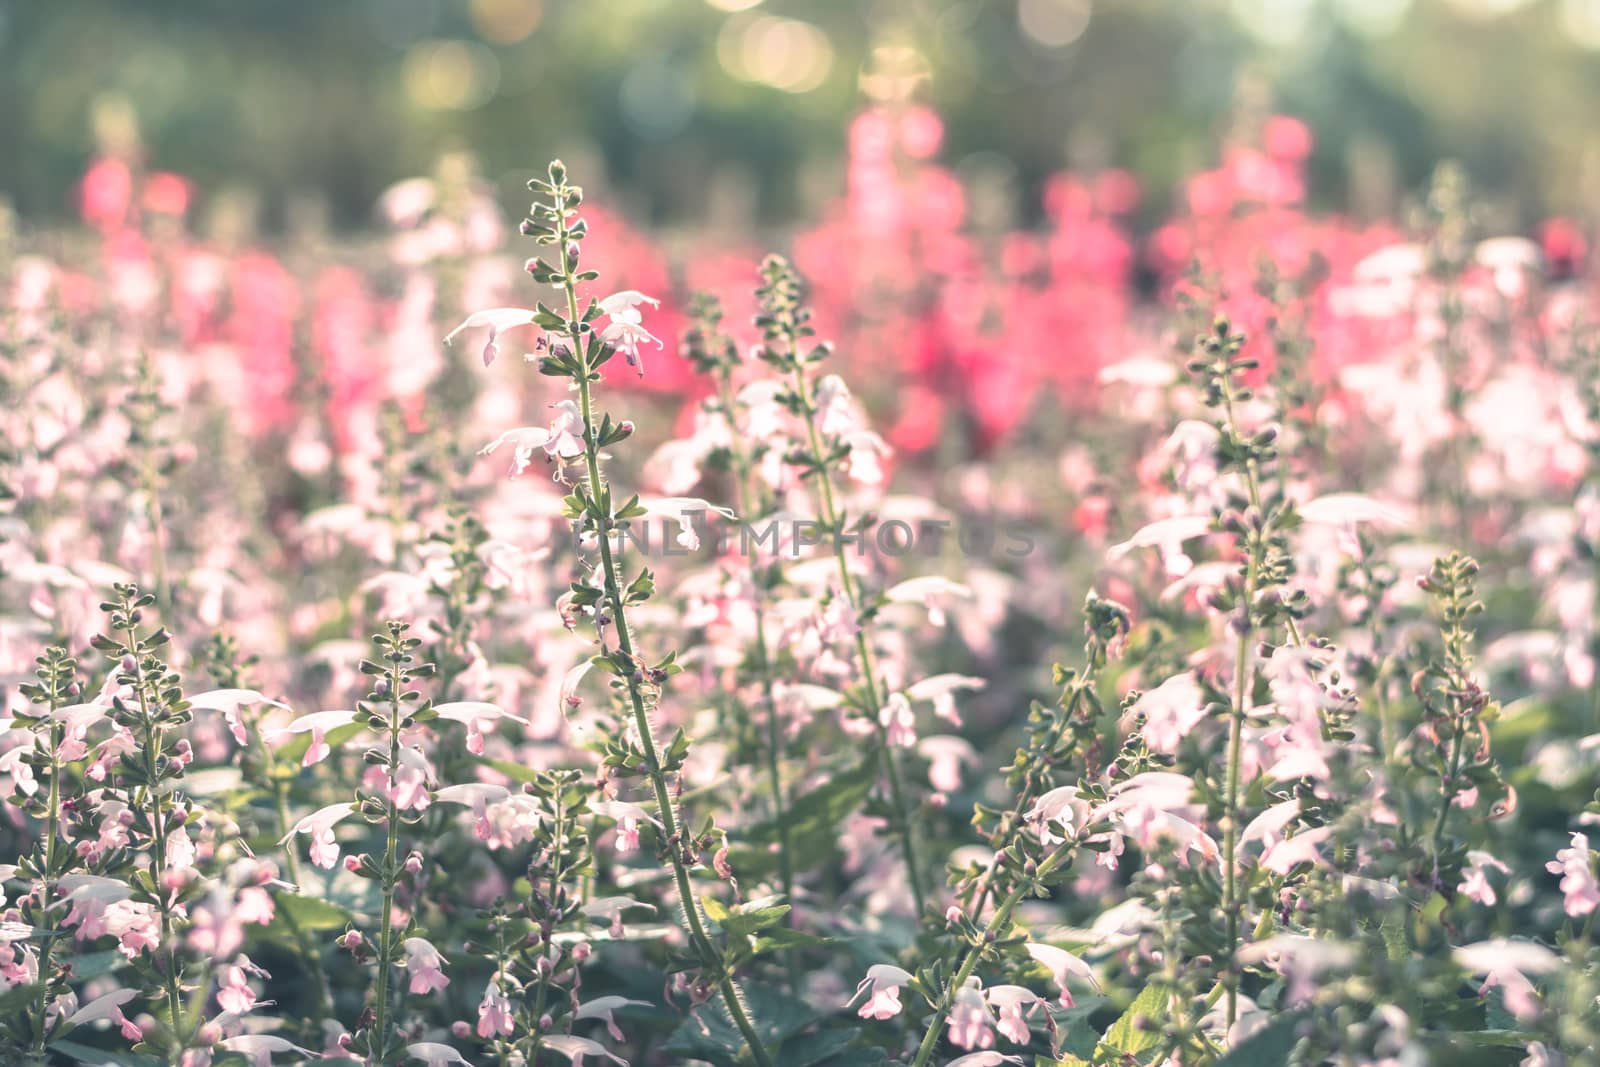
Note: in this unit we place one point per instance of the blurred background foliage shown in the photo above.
(732, 112)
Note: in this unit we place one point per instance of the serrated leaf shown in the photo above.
(1124, 1036)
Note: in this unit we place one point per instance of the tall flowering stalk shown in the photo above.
(150, 713)
(786, 328)
(1257, 603)
(400, 780)
(577, 350)
(1453, 703)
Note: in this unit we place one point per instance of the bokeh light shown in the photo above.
(506, 21)
(784, 53)
(450, 75)
(1053, 23)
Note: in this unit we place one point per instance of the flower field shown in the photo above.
(533, 637)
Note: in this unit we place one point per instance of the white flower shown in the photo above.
(604, 1008)
(434, 1054)
(576, 1048)
(1062, 965)
(499, 320)
(1170, 711)
(942, 690)
(259, 1048)
(625, 331)
(1168, 535)
(524, 441)
(684, 510)
(930, 591)
(566, 431)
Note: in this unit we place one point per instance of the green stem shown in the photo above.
(1230, 812)
(555, 891)
(158, 856)
(693, 920)
(52, 831)
(1449, 790)
(383, 1018)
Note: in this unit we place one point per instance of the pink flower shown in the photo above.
(1506, 964)
(931, 591)
(970, 1022)
(1059, 814)
(319, 826)
(630, 818)
(1475, 879)
(524, 442)
(234, 994)
(946, 754)
(1014, 1004)
(475, 715)
(566, 431)
(425, 965)
(1168, 535)
(137, 927)
(1578, 884)
(882, 986)
(1300, 959)
(899, 722)
(610, 910)
(495, 1014)
(318, 724)
(109, 1007)
(1062, 965)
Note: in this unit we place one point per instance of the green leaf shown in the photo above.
(291, 752)
(831, 1047)
(782, 937)
(518, 773)
(812, 820)
(311, 913)
(756, 915)
(1124, 1036)
(20, 996)
(101, 1057)
(776, 1018)
(1496, 1038)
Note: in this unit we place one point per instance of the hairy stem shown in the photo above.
(693, 918)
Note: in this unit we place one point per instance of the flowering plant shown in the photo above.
(353, 716)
